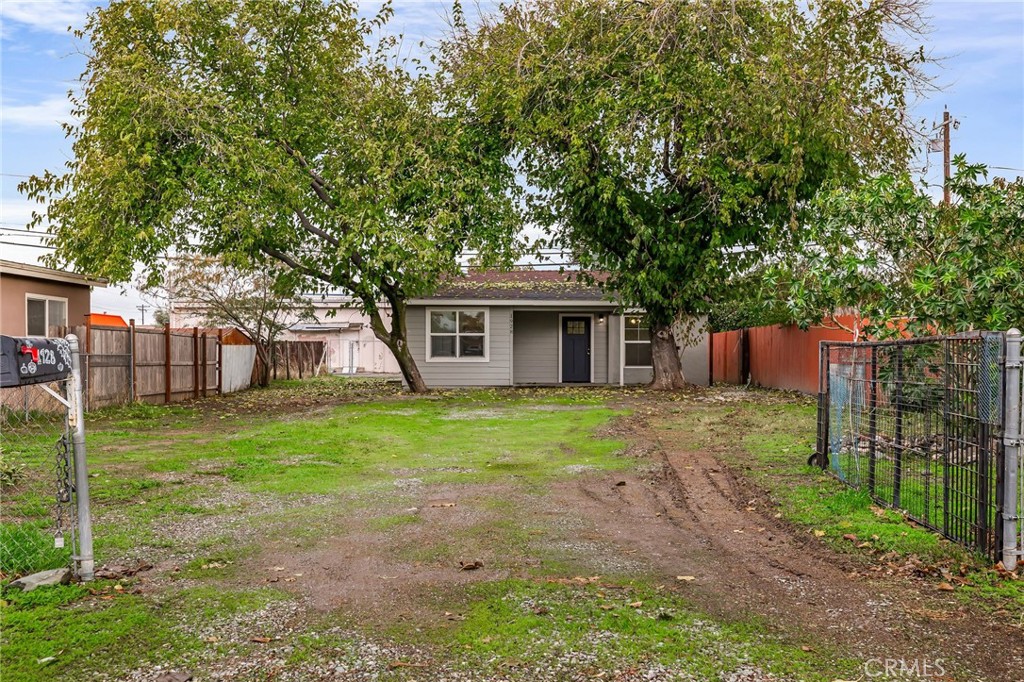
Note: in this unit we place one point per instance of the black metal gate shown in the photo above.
(918, 423)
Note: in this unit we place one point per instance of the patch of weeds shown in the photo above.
(206, 602)
(593, 627)
(29, 547)
(113, 490)
(63, 633)
(386, 523)
(141, 415)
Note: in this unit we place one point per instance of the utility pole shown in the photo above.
(143, 308)
(945, 156)
(941, 143)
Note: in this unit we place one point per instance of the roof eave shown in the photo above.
(520, 302)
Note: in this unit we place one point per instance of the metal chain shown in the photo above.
(65, 488)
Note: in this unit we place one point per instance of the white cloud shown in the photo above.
(44, 15)
(48, 113)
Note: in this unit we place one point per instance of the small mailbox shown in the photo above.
(33, 360)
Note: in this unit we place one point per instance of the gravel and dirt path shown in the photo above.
(699, 519)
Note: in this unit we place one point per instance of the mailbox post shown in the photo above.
(28, 361)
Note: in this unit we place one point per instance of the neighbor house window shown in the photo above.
(638, 342)
(456, 334)
(43, 312)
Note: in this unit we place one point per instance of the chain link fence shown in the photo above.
(919, 424)
(42, 492)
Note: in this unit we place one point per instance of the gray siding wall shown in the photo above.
(600, 350)
(535, 338)
(614, 348)
(495, 372)
(694, 357)
(535, 347)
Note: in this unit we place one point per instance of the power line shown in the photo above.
(24, 231)
(30, 246)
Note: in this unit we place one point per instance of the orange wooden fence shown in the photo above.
(778, 356)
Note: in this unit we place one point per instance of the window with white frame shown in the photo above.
(457, 334)
(43, 312)
(638, 342)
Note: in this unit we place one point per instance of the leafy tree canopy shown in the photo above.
(889, 252)
(672, 143)
(246, 129)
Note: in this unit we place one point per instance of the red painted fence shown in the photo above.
(783, 357)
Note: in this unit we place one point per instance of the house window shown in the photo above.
(638, 342)
(457, 334)
(43, 312)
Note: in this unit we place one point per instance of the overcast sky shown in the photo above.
(982, 76)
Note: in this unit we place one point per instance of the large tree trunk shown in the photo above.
(395, 339)
(668, 369)
(264, 362)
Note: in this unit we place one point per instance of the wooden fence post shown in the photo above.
(195, 363)
(167, 363)
(134, 388)
(287, 360)
(205, 370)
(220, 362)
(86, 370)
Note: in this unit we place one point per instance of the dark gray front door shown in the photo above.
(576, 349)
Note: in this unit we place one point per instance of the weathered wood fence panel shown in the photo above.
(155, 365)
(295, 360)
(109, 363)
(149, 365)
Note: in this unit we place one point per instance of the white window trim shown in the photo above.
(561, 331)
(447, 309)
(44, 297)
(626, 341)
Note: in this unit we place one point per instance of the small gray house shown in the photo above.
(533, 327)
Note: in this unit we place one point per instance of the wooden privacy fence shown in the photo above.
(127, 364)
(295, 360)
(779, 356)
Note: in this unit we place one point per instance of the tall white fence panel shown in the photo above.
(237, 367)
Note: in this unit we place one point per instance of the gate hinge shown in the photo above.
(1014, 442)
(1014, 365)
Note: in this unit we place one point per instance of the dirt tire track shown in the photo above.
(694, 519)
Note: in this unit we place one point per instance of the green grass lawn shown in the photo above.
(210, 491)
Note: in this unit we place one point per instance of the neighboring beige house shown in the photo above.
(351, 345)
(34, 299)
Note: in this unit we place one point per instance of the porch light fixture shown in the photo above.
(600, 318)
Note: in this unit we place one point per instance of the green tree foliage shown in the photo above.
(286, 129)
(889, 252)
(671, 143)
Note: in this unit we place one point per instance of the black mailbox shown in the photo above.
(33, 360)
